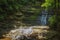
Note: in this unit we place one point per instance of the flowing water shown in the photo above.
(20, 33)
(42, 19)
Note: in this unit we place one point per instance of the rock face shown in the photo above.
(31, 33)
(41, 31)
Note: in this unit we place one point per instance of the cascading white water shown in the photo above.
(17, 33)
(42, 19)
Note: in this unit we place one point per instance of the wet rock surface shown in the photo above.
(32, 33)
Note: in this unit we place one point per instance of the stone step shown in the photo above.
(41, 27)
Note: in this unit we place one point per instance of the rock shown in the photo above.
(6, 38)
(28, 33)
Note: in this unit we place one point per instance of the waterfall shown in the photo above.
(42, 19)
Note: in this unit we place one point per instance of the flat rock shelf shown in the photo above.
(28, 33)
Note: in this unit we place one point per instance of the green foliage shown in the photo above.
(55, 21)
(47, 4)
(13, 6)
(52, 20)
